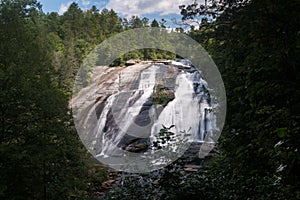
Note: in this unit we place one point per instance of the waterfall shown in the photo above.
(146, 86)
(182, 111)
(123, 107)
(190, 112)
(207, 121)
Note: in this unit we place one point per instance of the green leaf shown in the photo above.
(281, 132)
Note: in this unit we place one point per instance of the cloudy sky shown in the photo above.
(158, 9)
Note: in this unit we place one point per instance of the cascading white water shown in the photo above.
(125, 116)
(183, 111)
(190, 111)
(146, 86)
(105, 142)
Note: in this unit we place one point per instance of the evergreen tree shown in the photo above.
(255, 44)
(154, 23)
(40, 156)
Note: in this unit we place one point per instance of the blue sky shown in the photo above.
(158, 9)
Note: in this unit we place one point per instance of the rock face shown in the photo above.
(132, 62)
(124, 107)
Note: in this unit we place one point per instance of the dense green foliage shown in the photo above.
(256, 46)
(40, 154)
(144, 54)
(73, 35)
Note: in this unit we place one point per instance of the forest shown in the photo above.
(256, 46)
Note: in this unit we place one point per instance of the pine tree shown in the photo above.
(40, 156)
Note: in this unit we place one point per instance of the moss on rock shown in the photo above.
(162, 95)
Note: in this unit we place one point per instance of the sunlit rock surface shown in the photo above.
(117, 111)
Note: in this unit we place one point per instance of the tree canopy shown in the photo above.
(256, 46)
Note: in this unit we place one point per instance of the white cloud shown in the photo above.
(85, 2)
(64, 7)
(163, 7)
